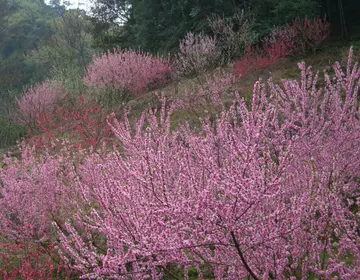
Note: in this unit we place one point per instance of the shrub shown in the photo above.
(32, 195)
(212, 92)
(280, 43)
(310, 33)
(31, 198)
(276, 46)
(294, 39)
(255, 59)
(30, 261)
(126, 72)
(82, 123)
(197, 53)
(269, 191)
(233, 35)
(38, 99)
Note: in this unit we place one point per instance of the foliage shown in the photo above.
(286, 10)
(5, 7)
(108, 36)
(69, 44)
(112, 11)
(127, 72)
(157, 26)
(67, 51)
(10, 132)
(270, 13)
(24, 25)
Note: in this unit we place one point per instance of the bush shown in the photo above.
(233, 35)
(197, 53)
(31, 261)
(253, 60)
(280, 43)
(35, 183)
(310, 33)
(215, 88)
(82, 123)
(38, 99)
(126, 72)
(35, 191)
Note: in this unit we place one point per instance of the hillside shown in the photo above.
(234, 156)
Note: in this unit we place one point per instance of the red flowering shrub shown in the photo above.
(30, 261)
(310, 33)
(82, 122)
(295, 38)
(253, 59)
(280, 43)
(128, 71)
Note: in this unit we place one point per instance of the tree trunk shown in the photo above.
(328, 10)
(344, 32)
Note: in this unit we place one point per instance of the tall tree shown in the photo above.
(159, 25)
(22, 30)
(112, 10)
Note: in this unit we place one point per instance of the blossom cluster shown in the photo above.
(129, 71)
(39, 99)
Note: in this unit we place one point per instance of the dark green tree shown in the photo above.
(23, 27)
(156, 25)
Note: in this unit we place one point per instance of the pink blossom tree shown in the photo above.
(197, 53)
(33, 193)
(38, 99)
(37, 190)
(233, 35)
(269, 191)
(128, 72)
